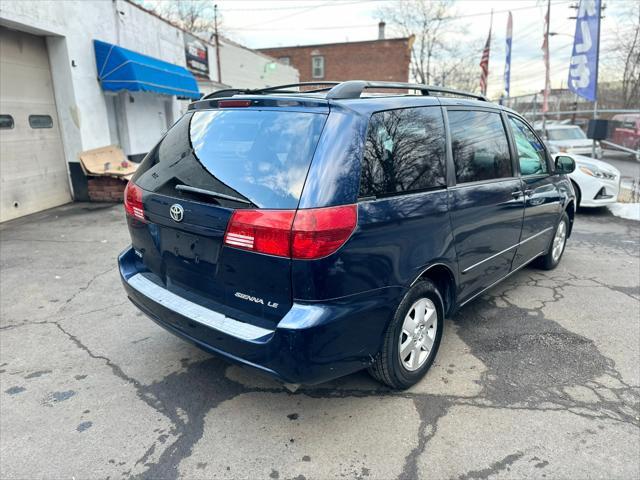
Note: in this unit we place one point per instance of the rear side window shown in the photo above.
(404, 152)
(259, 156)
(479, 145)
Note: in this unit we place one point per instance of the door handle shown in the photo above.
(528, 193)
(516, 194)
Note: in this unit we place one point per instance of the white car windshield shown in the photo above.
(574, 133)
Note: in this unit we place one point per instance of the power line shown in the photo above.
(333, 4)
(298, 7)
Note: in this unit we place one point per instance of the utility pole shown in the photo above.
(547, 74)
(215, 24)
(595, 103)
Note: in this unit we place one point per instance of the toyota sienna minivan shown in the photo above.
(310, 234)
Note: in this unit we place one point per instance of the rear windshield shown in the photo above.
(262, 155)
(258, 156)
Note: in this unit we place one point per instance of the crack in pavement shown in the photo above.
(83, 289)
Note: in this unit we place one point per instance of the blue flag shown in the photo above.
(507, 63)
(583, 70)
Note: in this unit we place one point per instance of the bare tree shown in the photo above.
(459, 67)
(441, 54)
(629, 57)
(425, 19)
(192, 15)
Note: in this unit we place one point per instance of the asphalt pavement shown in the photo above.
(628, 166)
(539, 378)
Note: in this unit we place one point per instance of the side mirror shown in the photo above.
(565, 164)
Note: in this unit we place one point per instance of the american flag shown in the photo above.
(484, 64)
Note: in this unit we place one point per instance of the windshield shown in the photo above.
(574, 133)
(262, 155)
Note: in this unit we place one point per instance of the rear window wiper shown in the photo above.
(211, 193)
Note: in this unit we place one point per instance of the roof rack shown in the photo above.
(354, 88)
(227, 92)
(344, 90)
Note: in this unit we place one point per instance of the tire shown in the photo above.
(553, 256)
(388, 367)
(576, 189)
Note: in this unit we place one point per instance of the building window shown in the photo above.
(317, 66)
(6, 122)
(40, 121)
(285, 60)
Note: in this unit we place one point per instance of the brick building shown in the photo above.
(382, 59)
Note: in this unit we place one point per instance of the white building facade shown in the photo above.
(53, 106)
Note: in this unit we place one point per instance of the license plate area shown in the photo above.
(189, 248)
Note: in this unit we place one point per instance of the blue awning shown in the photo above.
(122, 69)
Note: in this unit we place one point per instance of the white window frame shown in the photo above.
(320, 66)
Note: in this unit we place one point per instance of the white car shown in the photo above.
(568, 139)
(596, 183)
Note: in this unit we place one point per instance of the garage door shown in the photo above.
(33, 171)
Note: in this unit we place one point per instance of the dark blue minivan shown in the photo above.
(310, 234)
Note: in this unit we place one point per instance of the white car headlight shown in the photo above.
(594, 171)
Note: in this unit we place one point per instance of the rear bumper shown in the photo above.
(312, 343)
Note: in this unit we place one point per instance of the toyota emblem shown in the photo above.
(177, 212)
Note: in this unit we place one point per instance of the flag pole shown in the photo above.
(490, 38)
(547, 77)
(595, 103)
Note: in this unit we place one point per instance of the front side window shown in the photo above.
(404, 152)
(317, 66)
(531, 154)
(40, 121)
(479, 145)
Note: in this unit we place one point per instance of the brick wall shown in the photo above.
(106, 189)
(383, 60)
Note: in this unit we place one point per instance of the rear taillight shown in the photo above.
(305, 234)
(319, 232)
(264, 231)
(133, 201)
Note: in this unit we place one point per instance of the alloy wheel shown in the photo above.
(418, 334)
(559, 241)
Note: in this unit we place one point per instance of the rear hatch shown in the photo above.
(209, 165)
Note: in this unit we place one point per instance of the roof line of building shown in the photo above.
(402, 39)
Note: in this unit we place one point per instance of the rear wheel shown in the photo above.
(412, 338)
(556, 248)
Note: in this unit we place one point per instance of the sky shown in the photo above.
(266, 23)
